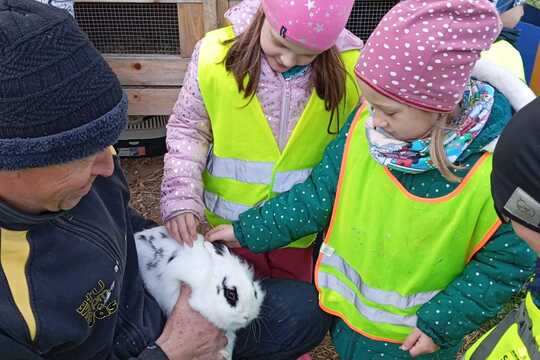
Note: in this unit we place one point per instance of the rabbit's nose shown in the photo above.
(246, 318)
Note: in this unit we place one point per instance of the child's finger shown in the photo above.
(410, 340)
(172, 228)
(419, 348)
(191, 226)
(184, 233)
(214, 234)
(424, 345)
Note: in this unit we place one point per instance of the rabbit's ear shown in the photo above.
(218, 248)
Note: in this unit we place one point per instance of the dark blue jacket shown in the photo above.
(73, 278)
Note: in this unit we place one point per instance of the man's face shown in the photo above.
(58, 187)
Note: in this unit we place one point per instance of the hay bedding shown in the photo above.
(144, 178)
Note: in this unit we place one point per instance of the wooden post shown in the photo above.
(210, 10)
(222, 6)
(190, 26)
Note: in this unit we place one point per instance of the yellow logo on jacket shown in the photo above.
(97, 303)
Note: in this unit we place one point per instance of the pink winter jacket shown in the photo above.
(189, 131)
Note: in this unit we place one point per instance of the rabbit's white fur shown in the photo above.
(223, 288)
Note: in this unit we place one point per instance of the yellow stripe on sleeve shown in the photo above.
(14, 253)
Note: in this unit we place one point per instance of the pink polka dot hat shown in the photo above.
(313, 24)
(422, 52)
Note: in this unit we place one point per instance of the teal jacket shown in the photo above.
(497, 271)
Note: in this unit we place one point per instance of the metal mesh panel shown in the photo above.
(366, 14)
(147, 122)
(130, 28)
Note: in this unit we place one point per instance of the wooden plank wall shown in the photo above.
(153, 81)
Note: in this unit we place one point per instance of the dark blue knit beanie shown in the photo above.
(59, 99)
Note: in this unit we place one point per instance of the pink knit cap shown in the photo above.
(314, 24)
(422, 52)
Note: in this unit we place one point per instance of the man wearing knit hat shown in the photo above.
(69, 281)
(516, 191)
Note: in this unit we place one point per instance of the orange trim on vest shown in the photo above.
(485, 239)
(449, 196)
(342, 171)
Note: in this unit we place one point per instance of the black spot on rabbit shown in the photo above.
(142, 238)
(219, 248)
(173, 256)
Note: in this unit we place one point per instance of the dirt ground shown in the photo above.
(144, 177)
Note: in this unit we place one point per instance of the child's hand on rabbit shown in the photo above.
(223, 233)
(183, 228)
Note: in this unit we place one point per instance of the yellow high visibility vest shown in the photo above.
(245, 165)
(387, 252)
(516, 337)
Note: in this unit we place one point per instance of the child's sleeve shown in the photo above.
(303, 210)
(188, 137)
(496, 273)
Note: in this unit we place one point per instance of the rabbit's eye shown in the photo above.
(231, 295)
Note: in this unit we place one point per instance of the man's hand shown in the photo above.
(419, 343)
(223, 233)
(188, 335)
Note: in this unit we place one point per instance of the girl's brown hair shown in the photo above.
(437, 151)
(328, 73)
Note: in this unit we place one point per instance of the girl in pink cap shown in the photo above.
(260, 102)
(415, 256)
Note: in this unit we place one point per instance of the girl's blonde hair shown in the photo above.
(328, 75)
(437, 151)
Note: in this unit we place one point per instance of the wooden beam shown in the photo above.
(222, 6)
(151, 101)
(210, 10)
(190, 26)
(148, 70)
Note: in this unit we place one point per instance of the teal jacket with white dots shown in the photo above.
(497, 271)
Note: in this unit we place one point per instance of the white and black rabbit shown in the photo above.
(223, 288)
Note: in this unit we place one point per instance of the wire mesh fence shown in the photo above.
(366, 14)
(152, 28)
(130, 28)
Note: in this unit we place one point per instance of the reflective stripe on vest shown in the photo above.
(223, 208)
(513, 338)
(331, 282)
(246, 166)
(388, 252)
(254, 172)
(379, 296)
